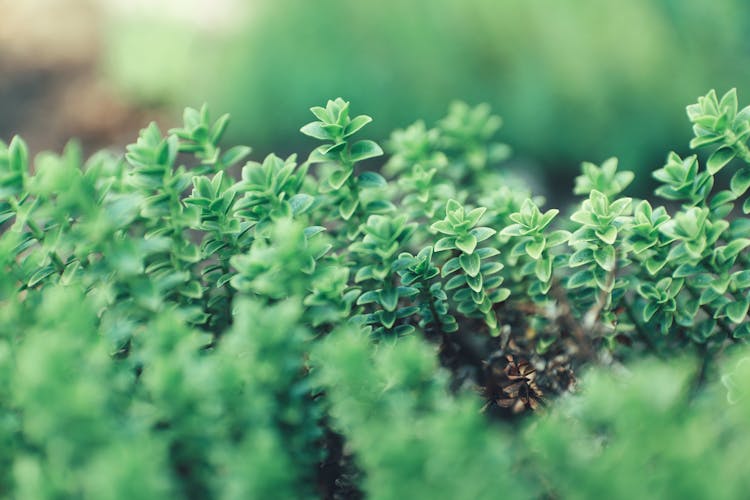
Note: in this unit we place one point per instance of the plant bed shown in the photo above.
(183, 323)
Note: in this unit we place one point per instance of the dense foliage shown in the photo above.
(180, 322)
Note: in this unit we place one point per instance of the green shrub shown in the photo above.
(308, 329)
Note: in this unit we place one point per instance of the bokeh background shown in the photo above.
(575, 80)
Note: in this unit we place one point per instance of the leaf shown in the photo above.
(300, 203)
(466, 243)
(608, 236)
(535, 247)
(18, 154)
(362, 150)
(235, 155)
(450, 267)
(40, 275)
(455, 282)
(500, 295)
(316, 130)
(543, 269)
(447, 243)
(605, 257)
(356, 124)
(191, 290)
(333, 150)
(389, 299)
(722, 198)
(482, 233)
(734, 248)
(470, 263)
(371, 180)
(650, 310)
(475, 282)
(218, 128)
(581, 257)
(311, 231)
(741, 279)
(339, 178)
(347, 208)
(444, 227)
(380, 207)
(740, 181)
(581, 278)
(556, 238)
(737, 311)
(719, 159)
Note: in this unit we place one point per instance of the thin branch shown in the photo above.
(568, 322)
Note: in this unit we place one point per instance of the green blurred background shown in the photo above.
(574, 80)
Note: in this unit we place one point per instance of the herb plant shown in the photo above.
(184, 322)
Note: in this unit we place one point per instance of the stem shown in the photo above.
(433, 310)
(568, 322)
(593, 314)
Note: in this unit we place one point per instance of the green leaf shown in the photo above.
(347, 208)
(605, 257)
(339, 178)
(470, 263)
(608, 236)
(456, 282)
(535, 247)
(389, 299)
(543, 269)
(380, 207)
(650, 309)
(235, 155)
(218, 128)
(18, 154)
(450, 267)
(191, 290)
(500, 294)
(719, 159)
(482, 233)
(356, 124)
(40, 275)
(581, 257)
(466, 243)
(475, 282)
(362, 150)
(737, 311)
(741, 279)
(371, 180)
(722, 198)
(740, 181)
(447, 243)
(300, 203)
(317, 131)
(556, 238)
(581, 278)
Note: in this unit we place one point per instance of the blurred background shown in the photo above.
(573, 81)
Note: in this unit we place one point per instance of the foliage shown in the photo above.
(171, 328)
